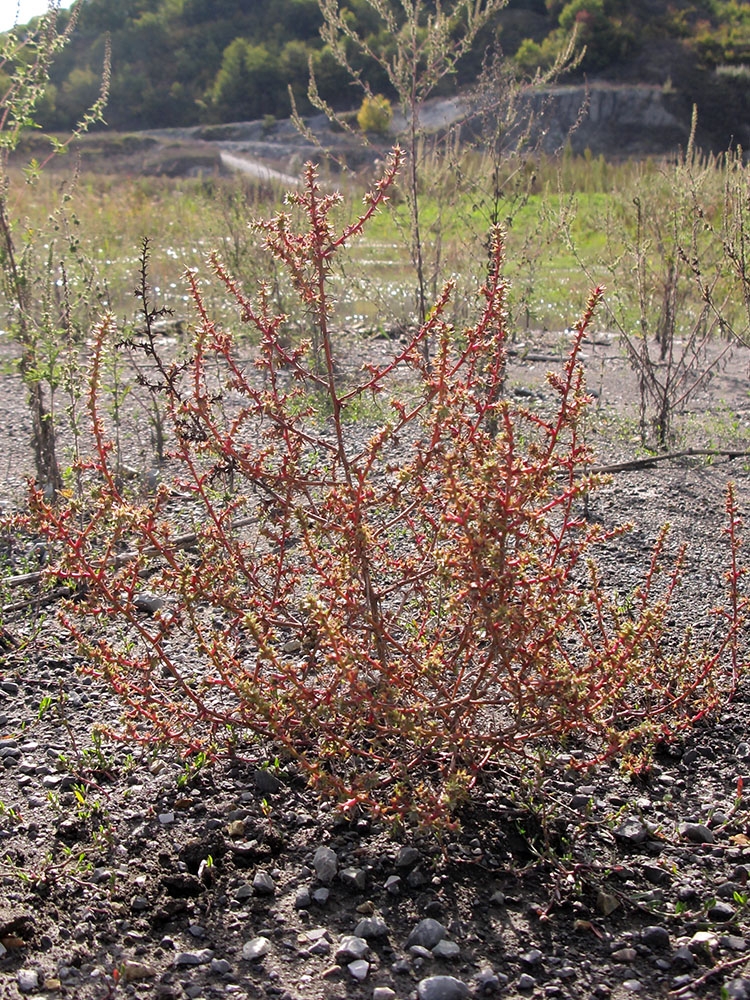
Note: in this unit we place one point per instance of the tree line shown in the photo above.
(184, 62)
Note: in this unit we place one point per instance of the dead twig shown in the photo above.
(180, 542)
(642, 463)
(714, 971)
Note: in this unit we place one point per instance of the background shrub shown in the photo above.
(375, 114)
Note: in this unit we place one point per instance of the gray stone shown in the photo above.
(448, 951)
(354, 879)
(303, 900)
(383, 993)
(489, 982)
(321, 947)
(631, 831)
(442, 988)
(320, 896)
(738, 989)
(526, 982)
(721, 911)
(704, 944)
(28, 980)
(351, 949)
(683, 958)
(655, 937)
(326, 864)
(202, 957)
(733, 942)
(624, 955)
(359, 969)
(427, 933)
(408, 857)
(656, 875)
(266, 782)
(606, 903)
(393, 885)
(255, 949)
(531, 957)
(727, 890)
(371, 928)
(263, 884)
(696, 833)
(148, 602)
(220, 966)
(632, 985)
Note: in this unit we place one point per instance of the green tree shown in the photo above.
(295, 62)
(80, 89)
(605, 37)
(249, 83)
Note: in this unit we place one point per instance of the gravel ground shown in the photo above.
(125, 874)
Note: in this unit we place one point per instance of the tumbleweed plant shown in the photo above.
(394, 608)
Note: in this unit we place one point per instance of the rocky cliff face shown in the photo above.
(615, 120)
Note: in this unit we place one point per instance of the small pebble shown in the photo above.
(303, 900)
(371, 928)
(408, 857)
(531, 957)
(359, 969)
(28, 980)
(721, 911)
(383, 993)
(351, 949)
(427, 933)
(655, 937)
(354, 879)
(631, 831)
(133, 971)
(696, 833)
(255, 949)
(263, 884)
(449, 951)
(325, 863)
(202, 957)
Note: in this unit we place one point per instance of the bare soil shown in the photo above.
(124, 873)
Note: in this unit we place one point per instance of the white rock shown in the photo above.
(351, 949)
(326, 864)
(133, 971)
(359, 969)
(28, 980)
(255, 949)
